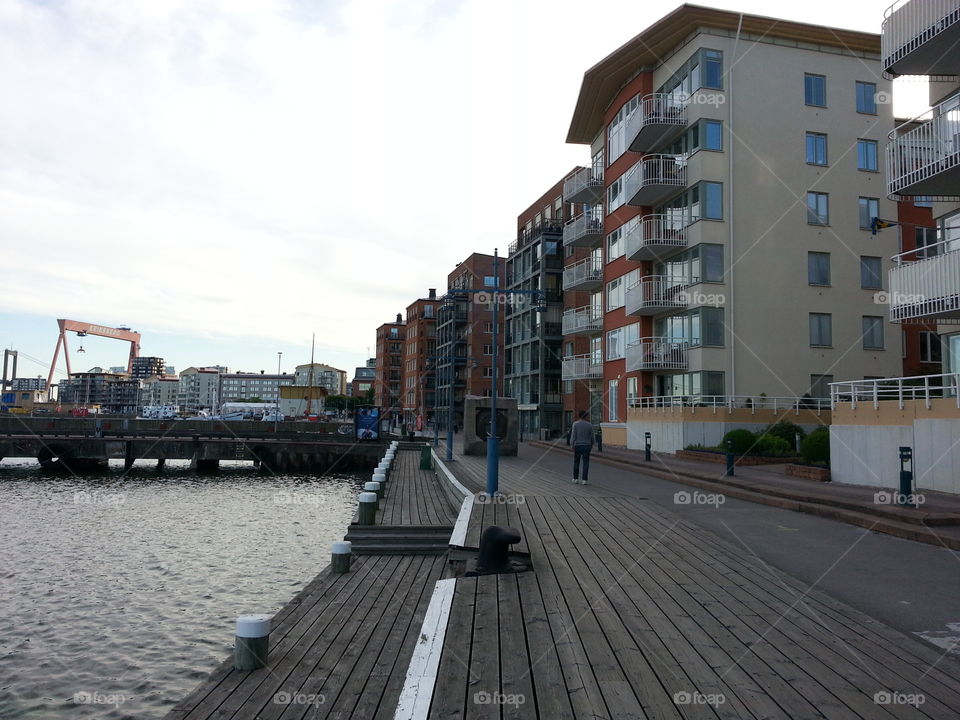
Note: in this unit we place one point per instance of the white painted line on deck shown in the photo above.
(417, 693)
(450, 477)
(458, 537)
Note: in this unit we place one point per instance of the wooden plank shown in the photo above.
(484, 653)
(515, 684)
(454, 678)
(461, 527)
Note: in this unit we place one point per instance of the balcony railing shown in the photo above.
(926, 159)
(584, 275)
(583, 231)
(658, 119)
(928, 287)
(584, 186)
(656, 294)
(656, 236)
(586, 319)
(657, 353)
(919, 37)
(582, 367)
(732, 402)
(920, 387)
(655, 178)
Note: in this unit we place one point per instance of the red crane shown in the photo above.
(81, 329)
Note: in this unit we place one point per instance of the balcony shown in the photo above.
(586, 319)
(655, 179)
(584, 275)
(584, 186)
(656, 294)
(926, 159)
(583, 231)
(657, 353)
(656, 236)
(660, 118)
(919, 37)
(927, 288)
(582, 367)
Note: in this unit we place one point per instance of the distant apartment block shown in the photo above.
(198, 389)
(363, 379)
(389, 370)
(144, 367)
(37, 383)
(419, 356)
(160, 390)
(240, 386)
(320, 375)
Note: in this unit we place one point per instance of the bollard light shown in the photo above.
(374, 487)
(906, 476)
(367, 514)
(252, 642)
(729, 457)
(340, 557)
(646, 446)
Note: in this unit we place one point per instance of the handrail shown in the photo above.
(901, 389)
(899, 258)
(733, 402)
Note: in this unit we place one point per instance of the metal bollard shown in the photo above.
(379, 477)
(340, 557)
(646, 446)
(252, 642)
(368, 509)
(374, 487)
(906, 476)
(730, 458)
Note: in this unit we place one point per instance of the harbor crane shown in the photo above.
(82, 329)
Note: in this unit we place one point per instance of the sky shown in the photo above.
(232, 177)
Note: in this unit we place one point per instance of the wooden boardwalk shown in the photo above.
(414, 496)
(632, 613)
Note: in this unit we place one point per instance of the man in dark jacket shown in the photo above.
(581, 438)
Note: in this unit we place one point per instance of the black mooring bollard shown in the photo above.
(495, 545)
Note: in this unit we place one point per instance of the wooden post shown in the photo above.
(340, 558)
(368, 508)
(379, 477)
(374, 487)
(252, 642)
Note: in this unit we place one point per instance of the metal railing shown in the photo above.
(587, 318)
(908, 24)
(927, 285)
(657, 353)
(657, 109)
(580, 227)
(925, 151)
(655, 170)
(585, 271)
(584, 179)
(656, 291)
(732, 402)
(917, 387)
(655, 231)
(582, 367)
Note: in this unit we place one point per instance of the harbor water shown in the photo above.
(119, 591)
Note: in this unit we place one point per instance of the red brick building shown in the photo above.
(389, 369)
(921, 345)
(420, 349)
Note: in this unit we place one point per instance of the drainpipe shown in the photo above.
(733, 323)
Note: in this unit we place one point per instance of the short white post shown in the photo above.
(340, 558)
(368, 508)
(252, 642)
(374, 487)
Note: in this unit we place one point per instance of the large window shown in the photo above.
(867, 98)
(821, 330)
(696, 384)
(613, 390)
(615, 244)
(871, 273)
(815, 90)
(703, 200)
(930, 349)
(818, 208)
(925, 237)
(869, 209)
(816, 148)
(818, 268)
(617, 130)
(872, 332)
(701, 326)
(867, 155)
(703, 70)
(615, 195)
(701, 263)
(620, 339)
(702, 135)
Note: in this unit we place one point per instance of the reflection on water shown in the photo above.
(118, 591)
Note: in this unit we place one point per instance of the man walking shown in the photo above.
(581, 438)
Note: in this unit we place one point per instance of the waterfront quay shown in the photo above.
(81, 443)
(627, 610)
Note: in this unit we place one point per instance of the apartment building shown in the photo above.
(198, 389)
(363, 379)
(332, 379)
(256, 387)
(532, 331)
(389, 370)
(874, 419)
(114, 393)
(146, 366)
(160, 390)
(733, 183)
(465, 342)
(419, 356)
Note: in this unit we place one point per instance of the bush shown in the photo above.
(786, 430)
(773, 446)
(815, 448)
(742, 439)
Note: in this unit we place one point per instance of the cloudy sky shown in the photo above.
(230, 176)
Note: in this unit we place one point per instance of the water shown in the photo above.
(119, 591)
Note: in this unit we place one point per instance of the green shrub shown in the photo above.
(815, 448)
(786, 430)
(773, 446)
(742, 439)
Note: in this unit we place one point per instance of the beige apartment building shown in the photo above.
(735, 172)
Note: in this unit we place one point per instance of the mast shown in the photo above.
(313, 339)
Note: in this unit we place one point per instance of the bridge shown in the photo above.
(89, 443)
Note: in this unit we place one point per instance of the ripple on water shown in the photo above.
(120, 590)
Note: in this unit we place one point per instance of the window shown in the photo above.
(615, 195)
(870, 273)
(712, 200)
(872, 332)
(617, 130)
(818, 209)
(701, 263)
(924, 238)
(615, 244)
(818, 268)
(816, 148)
(867, 155)
(632, 389)
(815, 90)
(820, 385)
(712, 134)
(703, 200)
(869, 209)
(867, 98)
(703, 69)
(923, 201)
(712, 69)
(930, 350)
(615, 294)
(615, 348)
(821, 330)
(702, 135)
(488, 349)
(613, 389)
